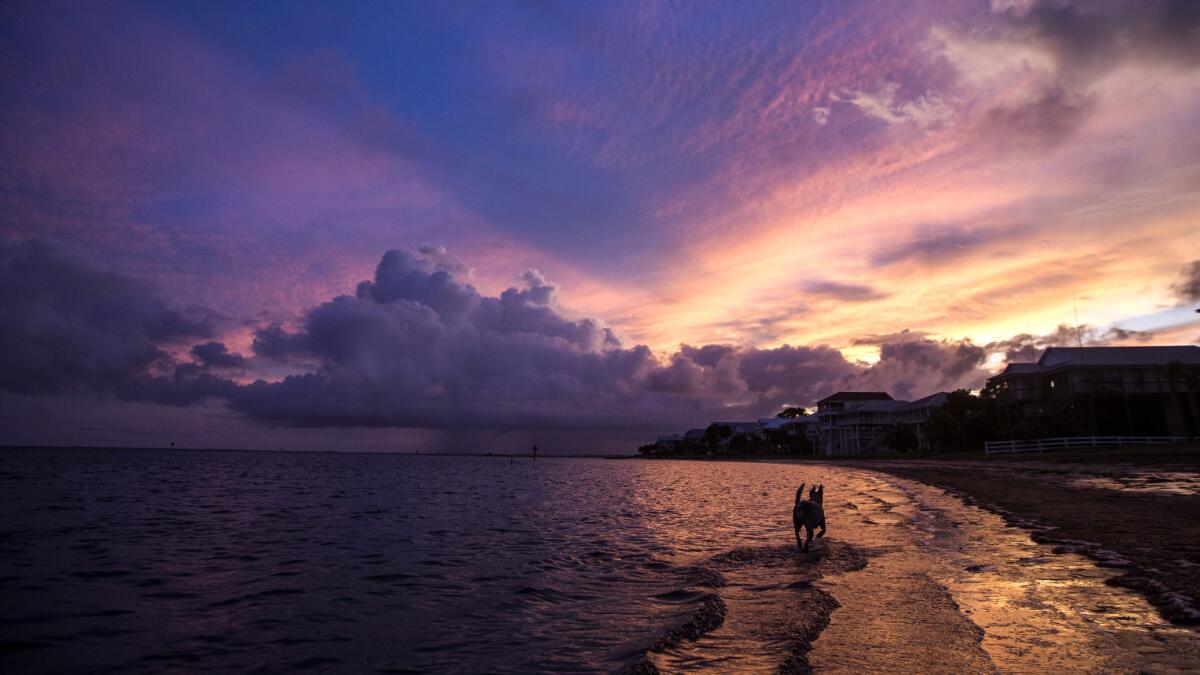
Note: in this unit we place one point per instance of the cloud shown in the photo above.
(886, 102)
(65, 325)
(1187, 289)
(1025, 347)
(842, 291)
(1045, 120)
(1034, 68)
(937, 245)
(910, 366)
(1089, 38)
(416, 346)
(884, 338)
(217, 355)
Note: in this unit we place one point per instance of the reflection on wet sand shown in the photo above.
(937, 586)
(1038, 611)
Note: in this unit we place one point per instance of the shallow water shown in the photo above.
(153, 560)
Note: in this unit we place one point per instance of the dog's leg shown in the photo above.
(798, 544)
(822, 532)
(808, 531)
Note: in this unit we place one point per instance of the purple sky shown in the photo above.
(476, 226)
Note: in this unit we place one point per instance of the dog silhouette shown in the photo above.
(809, 514)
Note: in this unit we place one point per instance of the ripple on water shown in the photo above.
(272, 562)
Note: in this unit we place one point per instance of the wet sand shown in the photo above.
(949, 588)
(1136, 514)
(913, 578)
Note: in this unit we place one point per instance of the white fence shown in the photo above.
(1043, 444)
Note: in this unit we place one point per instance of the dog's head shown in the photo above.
(817, 494)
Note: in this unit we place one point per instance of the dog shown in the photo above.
(809, 514)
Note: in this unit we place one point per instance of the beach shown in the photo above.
(1135, 511)
(284, 562)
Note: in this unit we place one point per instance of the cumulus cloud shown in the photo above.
(66, 326)
(417, 346)
(909, 368)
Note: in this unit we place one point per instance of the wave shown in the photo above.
(781, 609)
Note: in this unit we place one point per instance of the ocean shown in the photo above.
(153, 560)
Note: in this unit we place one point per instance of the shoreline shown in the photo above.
(1116, 518)
(1119, 507)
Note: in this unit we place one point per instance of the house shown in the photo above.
(741, 428)
(1102, 391)
(853, 422)
(805, 425)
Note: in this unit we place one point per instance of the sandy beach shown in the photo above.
(1135, 511)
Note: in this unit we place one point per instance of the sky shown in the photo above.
(476, 226)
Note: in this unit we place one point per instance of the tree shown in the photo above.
(715, 435)
(976, 415)
(739, 444)
(943, 432)
(1176, 372)
(798, 444)
(776, 437)
(648, 449)
(902, 438)
(792, 413)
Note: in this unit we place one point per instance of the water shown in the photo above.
(154, 560)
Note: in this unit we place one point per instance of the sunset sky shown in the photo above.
(606, 220)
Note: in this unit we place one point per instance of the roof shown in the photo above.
(740, 427)
(694, 433)
(931, 401)
(857, 396)
(1059, 357)
(1119, 356)
(878, 406)
(1021, 368)
(780, 422)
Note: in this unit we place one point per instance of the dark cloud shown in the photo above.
(842, 291)
(1090, 37)
(416, 346)
(1086, 40)
(67, 326)
(217, 355)
(914, 367)
(1187, 289)
(795, 374)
